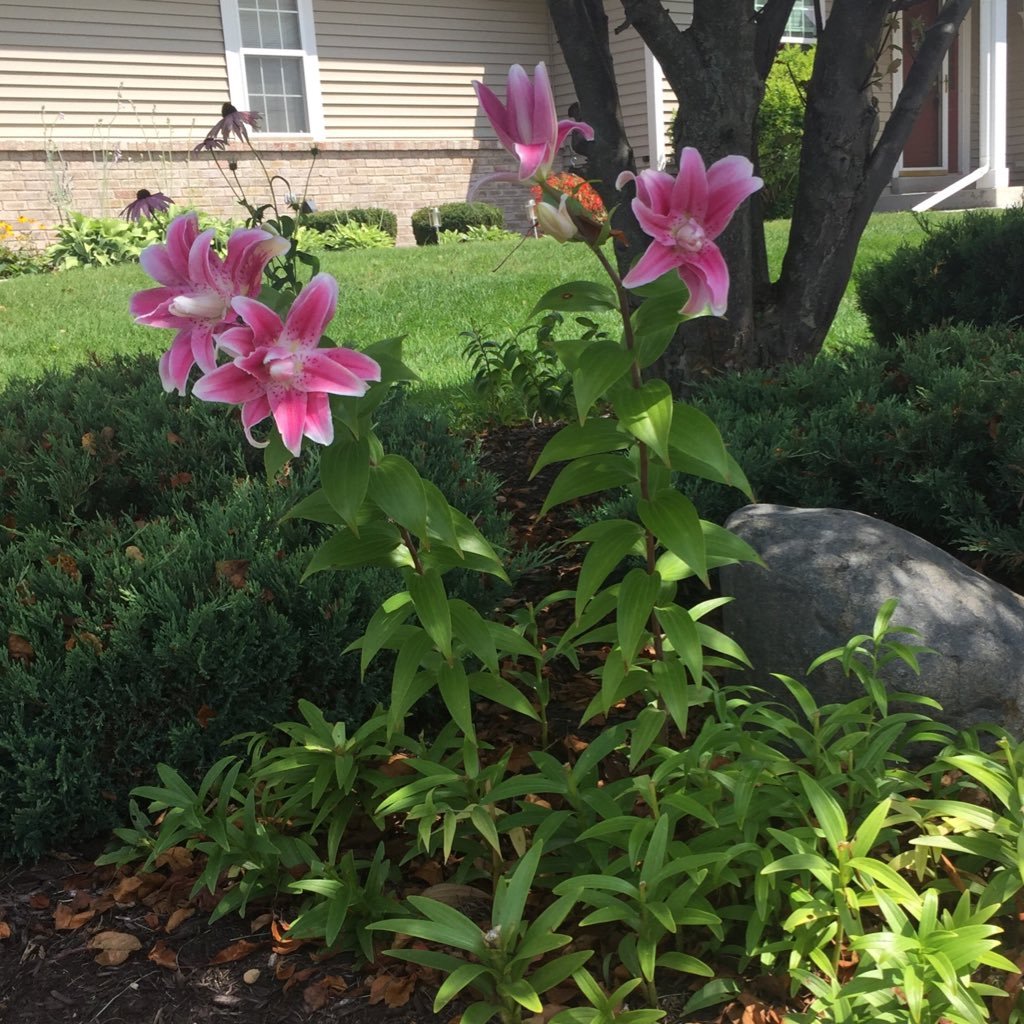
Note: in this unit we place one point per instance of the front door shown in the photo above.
(932, 145)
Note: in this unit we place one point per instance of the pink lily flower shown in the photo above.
(280, 371)
(684, 215)
(197, 289)
(528, 127)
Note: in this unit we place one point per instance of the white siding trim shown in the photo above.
(656, 143)
(310, 65)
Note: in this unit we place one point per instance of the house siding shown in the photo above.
(403, 70)
(83, 109)
(118, 70)
(1015, 99)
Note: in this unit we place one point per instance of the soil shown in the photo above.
(174, 966)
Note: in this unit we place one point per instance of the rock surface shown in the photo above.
(829, 571)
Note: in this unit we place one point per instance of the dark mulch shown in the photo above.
(52, 913)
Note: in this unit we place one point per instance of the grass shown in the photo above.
(430, 295)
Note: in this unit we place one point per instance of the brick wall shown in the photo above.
(399, 176)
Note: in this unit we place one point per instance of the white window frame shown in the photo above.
(802, 40)
(235, 53)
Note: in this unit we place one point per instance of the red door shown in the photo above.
(933, 140)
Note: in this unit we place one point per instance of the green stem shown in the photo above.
(636, 375)
(407, 539)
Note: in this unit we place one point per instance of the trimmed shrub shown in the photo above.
(372, 216)
(928, 436)
(458, 217)
(151, 595)
(781, 128)
(967, 271)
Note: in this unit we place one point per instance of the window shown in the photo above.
(801, 27)
(272, 64)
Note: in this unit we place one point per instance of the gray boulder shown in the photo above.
(828, 572)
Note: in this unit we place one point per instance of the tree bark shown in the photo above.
(717, 68)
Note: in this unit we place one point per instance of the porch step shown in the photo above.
(965, 199)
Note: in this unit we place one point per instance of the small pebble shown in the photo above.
(251, 976)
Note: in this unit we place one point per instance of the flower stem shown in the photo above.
(636, 376)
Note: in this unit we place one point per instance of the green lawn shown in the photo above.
(431, 295)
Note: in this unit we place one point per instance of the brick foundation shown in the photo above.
(399, 176)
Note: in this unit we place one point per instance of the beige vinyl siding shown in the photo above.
(628, 54)
(120, 70)
(682, 14)
(1015, 98)
(403, 70)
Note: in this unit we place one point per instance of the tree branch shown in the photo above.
(771, 23)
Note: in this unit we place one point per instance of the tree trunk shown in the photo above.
(717, 67)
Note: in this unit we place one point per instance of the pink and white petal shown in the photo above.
(319, 425)
(519, 101)
(356, 362)
(203, 350)
(228, 383)
(265, 323)
(255, 412)
(566, 126)
(181, 233)
(150, 305)
(235, 341)
(657, 260)
(713, 271)
(322, 374)
(496, 113)
(204, 305)
(623, 179)
(656, 225)
(200, 259)
(534, 159)
(249, 251)
(311, 312)
(730, 181)
(690, 192)
(288, 407)
(177, 362)
(157, 261)
(654, 190)
(249, 277)
(699, 301)
(543, 117)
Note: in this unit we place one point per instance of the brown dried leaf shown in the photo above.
(173, 438)
(315, 996)
(297, 977)
(233, 570)
(127, 891)
(259, 923)
(89, 443)
(66, 920)
(134, 553)
(39, 901)
(114, 947)
(5, 930)
(19, 649)
(204, 714)
(236, 951)
(163, 956)
(177, 857)
(180, 479)
(391, 991)
(181, 915)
